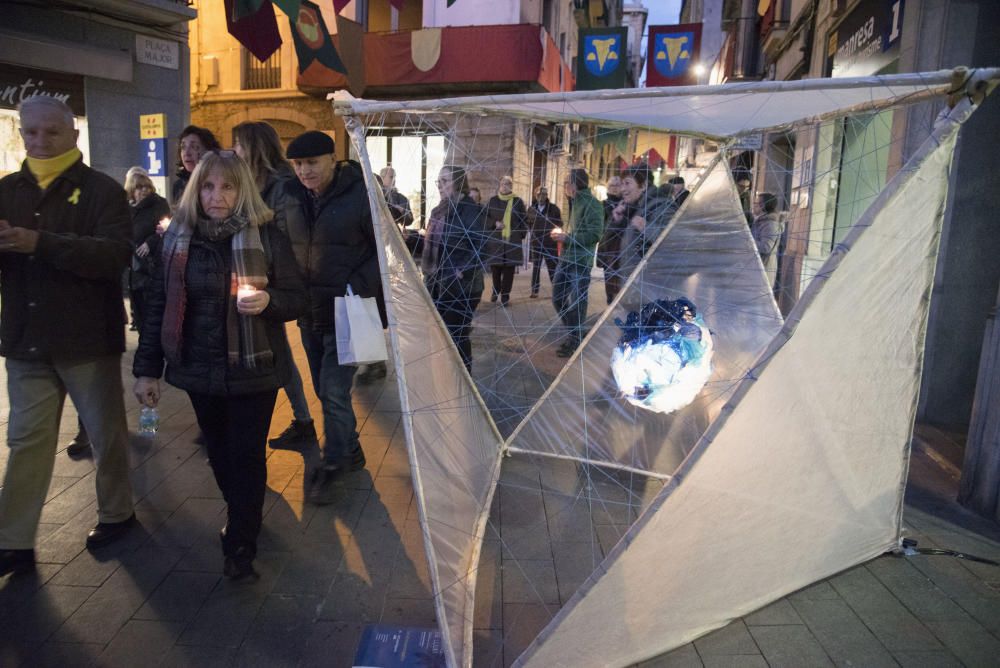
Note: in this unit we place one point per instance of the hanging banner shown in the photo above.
(672, 53)
(602, 58)
(258, 31)
(312, 39)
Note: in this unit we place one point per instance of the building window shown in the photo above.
(260, 76)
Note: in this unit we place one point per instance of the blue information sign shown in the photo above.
(153, 156)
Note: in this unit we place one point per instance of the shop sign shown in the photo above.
(867, 40)
(19, 83)
(752, 142)
(154, 156)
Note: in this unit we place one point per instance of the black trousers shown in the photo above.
(503, 280)
(457, 303)
(235, 430)
(550, 260)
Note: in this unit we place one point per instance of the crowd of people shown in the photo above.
(253, 238)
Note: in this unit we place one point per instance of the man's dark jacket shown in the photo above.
(336, 246)
(64, 300)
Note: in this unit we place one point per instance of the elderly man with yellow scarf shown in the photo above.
(65, 238)
(507, 223)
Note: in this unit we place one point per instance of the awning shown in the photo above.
(727, 110)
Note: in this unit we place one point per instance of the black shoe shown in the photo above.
(295, 435)
(505, 302)
(534, 295)
(325, 476)
(16, 562)
(80, 445)
(494, 297)
(108, 532)
(566, 349)
(372, 372)
(239, 568)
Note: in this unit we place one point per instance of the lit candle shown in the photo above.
(245, 291)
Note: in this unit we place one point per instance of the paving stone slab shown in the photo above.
(178, 597)
(970, 642)
(789, 645)
(894, 625)
(685, 656)
(734, 638)
(140, 642)
(841, 633)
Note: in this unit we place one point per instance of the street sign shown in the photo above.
(153, 156)
(152, 126)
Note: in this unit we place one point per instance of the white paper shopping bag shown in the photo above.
(359, 330)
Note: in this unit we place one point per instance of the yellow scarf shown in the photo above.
(506, 213)
(47, 169)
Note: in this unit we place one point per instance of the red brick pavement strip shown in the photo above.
(158, 597)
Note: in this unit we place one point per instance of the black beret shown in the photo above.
(309, 145)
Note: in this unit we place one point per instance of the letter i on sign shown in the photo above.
(154, 163)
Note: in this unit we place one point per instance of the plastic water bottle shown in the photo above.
(149, 421)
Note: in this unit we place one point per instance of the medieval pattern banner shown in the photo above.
(672, 53)
(602, 58)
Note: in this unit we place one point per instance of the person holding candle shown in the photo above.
(216, 307)
(571, 284)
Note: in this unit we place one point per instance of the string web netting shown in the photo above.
(567, 525)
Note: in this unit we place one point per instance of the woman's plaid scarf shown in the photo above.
(247, 337)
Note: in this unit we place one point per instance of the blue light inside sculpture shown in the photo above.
(664, 357)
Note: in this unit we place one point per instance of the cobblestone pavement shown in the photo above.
(158, 597)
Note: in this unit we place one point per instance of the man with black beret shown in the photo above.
(329, 222)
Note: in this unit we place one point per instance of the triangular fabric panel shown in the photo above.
(453, 445)
(708, 256)
(803, 475)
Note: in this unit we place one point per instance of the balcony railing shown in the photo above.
(261, 75)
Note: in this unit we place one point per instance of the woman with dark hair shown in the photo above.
(451, 261)
(258, 144)
(217, 306)
(507, 222)
(643, 214)
(193, 144)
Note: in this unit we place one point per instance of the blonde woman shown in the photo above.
(226, 283)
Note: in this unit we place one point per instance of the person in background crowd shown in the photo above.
(677, 190)
(65, 239)
(148, 210)
(217, 305)
(579, 239)
(766, 230)
(330, 225)
(506, 219)
(399, 206)
(476, 196)
(609, 250)
(746, 198)
(451, 261)
(193, 143)
(642, 213)
(543, 216)
(259, 146)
